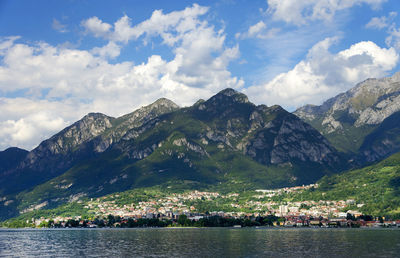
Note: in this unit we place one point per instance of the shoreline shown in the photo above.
(239, 228)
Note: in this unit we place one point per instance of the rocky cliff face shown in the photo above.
(269, 135)
(68, 140)
(347, 118)
(84, 139)
(140, 116)
(369, 103)
(287, 139)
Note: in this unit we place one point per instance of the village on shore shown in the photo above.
(179, 209)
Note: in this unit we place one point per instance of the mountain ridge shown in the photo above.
(348, 118)
(82, 139)
(224, 140)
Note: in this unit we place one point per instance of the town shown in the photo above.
(261, 208)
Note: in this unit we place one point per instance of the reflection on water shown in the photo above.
(201, 242)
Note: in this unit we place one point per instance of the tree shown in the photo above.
(350, 216)
(110, 220)
(183, 220)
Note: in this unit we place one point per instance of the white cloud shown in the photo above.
(258, 30)
(111, 50)
(6, 43)
(61, 85)
(299, 12)
(170, 26)
(394, 38)
(381, 22)
(324, 74)
(58, 26)
(95, 26)
(123, 31)
(24, 121)
(377, 23)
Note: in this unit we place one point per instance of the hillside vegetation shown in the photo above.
(376, 186)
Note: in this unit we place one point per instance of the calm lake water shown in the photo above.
(200, 242)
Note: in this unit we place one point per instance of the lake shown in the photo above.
(200, 242)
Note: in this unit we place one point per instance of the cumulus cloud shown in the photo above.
(111, 50)
(96, 27)
(170, 26)
(323, 74)
(299, 12)
(60, 85)
(6, 43)
(24, 121)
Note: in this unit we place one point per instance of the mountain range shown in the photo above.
(362, 120)
(225, 142)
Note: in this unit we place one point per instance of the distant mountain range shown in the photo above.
(362, 121)
(225, 141)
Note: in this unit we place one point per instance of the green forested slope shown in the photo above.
(376, 186)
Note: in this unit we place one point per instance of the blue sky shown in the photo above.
(60, 60)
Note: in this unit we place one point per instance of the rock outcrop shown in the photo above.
(349, 117)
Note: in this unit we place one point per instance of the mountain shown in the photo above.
(347, 119)
(225, 141)
(11, 157)
(84, 139)
(383, 141)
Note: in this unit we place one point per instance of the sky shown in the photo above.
(60, 60)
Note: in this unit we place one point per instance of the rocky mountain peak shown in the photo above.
(368, 103)
(228, 92)
(232, 95)
(396, 76)
(276, 108)
(143, 114)
(94, 115)
(356, 112)
(200, 101)
(165, 103)
(88, 127)
(84, 130)
(226, 104)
